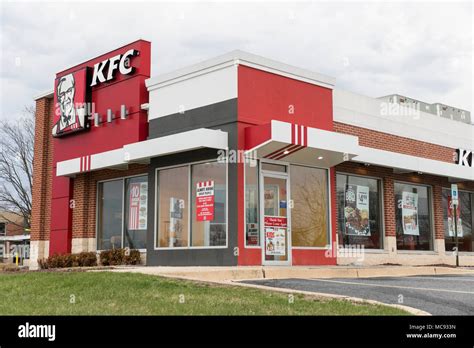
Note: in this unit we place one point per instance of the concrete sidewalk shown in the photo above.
(283, 272)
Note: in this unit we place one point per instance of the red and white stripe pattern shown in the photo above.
(85, 163)
(207, 183)
(299, 140)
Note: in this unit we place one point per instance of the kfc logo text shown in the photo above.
(120, 61)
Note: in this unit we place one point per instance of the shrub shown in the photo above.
(84, 259)
(116, 257)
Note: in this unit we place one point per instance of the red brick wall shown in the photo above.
(42, 173)
(394, 143)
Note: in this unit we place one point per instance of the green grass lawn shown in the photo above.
(50, 293)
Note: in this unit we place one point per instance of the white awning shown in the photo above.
(144, 150)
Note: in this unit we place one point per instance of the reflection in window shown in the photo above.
(209, 229)
(309, 216)
(109, 228)
(252, 232)
(465, 221)
(413, 217)
(359, 215)
(136, 208)
(173, 193)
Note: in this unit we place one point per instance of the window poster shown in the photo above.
(356, 210)
(275, 235)
(451, 228)
(205, 200)
(410, 213)
(138, 200)
(176, 221)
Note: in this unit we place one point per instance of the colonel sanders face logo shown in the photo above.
(69, 117)
(66, 91)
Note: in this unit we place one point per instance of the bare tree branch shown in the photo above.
(16, 166)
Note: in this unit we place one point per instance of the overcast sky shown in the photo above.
(422, 50)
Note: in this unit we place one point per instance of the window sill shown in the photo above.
(422, 252)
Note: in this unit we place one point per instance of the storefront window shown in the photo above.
(173, 215)
(252, 232)
(206, 198)
(413, 217)
(136, 219)
(209, 220)
(309, 215)
(122, 214)
(359, 211)
(465, 221)
(109, 227)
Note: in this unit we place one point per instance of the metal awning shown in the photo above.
(142, 151)
(295, 143)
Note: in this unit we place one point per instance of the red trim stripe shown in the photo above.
(299, 147)
(288, 149)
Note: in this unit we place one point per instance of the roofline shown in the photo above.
(239, 57)
(44, 94)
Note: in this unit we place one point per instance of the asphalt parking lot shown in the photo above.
(438, 295)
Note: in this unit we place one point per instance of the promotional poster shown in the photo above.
(356, 210)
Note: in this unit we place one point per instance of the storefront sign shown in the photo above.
(275, 235)
(120, 61)
(137, 218)
(410, 213)
(451, 228)
(71, 99)
(205, 201)
(356, 210)
(464, 158)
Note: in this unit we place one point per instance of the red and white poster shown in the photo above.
(275, 235)
(138, 200)
(205, 200)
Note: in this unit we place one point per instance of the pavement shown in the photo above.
(438, 295)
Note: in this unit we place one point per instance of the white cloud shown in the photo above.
(423, 50)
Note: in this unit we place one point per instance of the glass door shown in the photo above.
(275, 228)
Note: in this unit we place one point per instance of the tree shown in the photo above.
(16, 166)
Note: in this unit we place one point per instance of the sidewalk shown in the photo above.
(273, 272)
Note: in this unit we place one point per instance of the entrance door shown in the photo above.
(275, 230)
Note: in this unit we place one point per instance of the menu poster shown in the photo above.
(137, 218)
(451, 228)
(275, 235)
(356, 210)
(205, 200)
(410, 213)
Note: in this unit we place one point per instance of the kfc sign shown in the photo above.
(105, 70)
(464, 158)
(73, 104)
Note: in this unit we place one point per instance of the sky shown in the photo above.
(419, 49)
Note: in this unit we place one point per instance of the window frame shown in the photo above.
(381, 209)
(190, 193)
(432, 220)
(122, 178)
(328, 246)
(258, 206)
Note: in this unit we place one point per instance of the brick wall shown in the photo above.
(42, 173)
(394, 143)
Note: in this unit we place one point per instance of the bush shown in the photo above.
(84, 259)
(115, 257)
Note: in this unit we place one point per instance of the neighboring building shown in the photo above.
(242, 160)
(12, 233)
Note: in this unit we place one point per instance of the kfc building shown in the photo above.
(242, 160)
